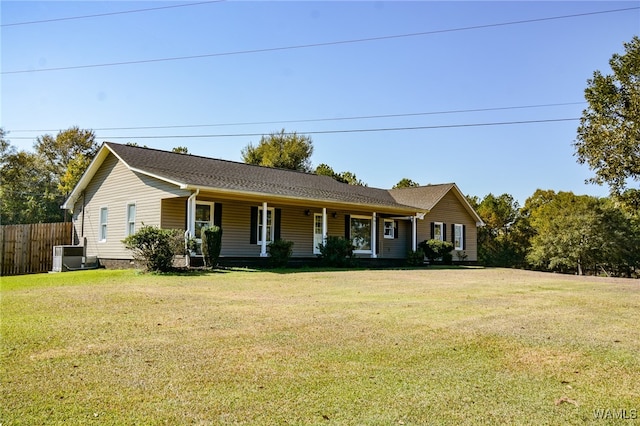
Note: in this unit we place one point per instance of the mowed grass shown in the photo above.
(383, 347)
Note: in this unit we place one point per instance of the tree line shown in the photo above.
(556, 231)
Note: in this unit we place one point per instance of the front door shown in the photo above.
(204, 219)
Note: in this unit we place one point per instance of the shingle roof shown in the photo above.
(425, 197)
(196, 171)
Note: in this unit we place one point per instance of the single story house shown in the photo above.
(128, 186)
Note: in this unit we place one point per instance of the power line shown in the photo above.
(97, 15)
(311, 120)
(322, 44)
(318, 132)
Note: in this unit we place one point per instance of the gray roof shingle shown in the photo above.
(204, 172)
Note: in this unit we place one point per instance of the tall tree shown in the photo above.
(406, 183)
(608, 138)
(344, 177)
(35, 184)
(281, 150)
(498, 244)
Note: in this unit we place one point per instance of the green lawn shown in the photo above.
(390, 347)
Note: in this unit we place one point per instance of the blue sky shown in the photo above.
(504, 58)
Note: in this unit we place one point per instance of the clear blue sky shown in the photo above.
(468, 56)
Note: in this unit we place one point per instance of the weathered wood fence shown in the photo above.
(28, 249)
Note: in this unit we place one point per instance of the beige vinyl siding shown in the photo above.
(295, 226)
(450, 210)
(113, 187)
(395, 248)
(174, 213)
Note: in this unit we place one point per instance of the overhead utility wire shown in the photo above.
(318, 132)
(310, 120)
(311, 45)
(97, 15)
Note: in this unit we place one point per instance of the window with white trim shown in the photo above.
(458, 237)
(131, 219)
(389, 229)
(361, 233)
(270, 227)
(104, 216)
(438, 231)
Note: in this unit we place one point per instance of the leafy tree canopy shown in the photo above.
(281, 150)
(406, 183)
(608, 138)
(344, 177)
(35, 184)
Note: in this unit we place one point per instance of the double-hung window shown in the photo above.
(131, 219)
(104, 216)
(458, 237)
(270, 227)
(438, 231)
(389, 229)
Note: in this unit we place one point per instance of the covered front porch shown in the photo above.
(250, 224)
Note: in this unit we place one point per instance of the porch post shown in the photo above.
(263, 247)
(324, 225)
(414, 236)
(191, 213)
(374, 235)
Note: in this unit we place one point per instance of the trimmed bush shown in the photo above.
(415, 258)
(153, 248)
(211, 245)
(437, 249)
(279, 253)
(337, 252)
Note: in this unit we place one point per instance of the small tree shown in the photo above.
(437, 249)
(280, 252)
(336, 251)
(153, 248)
(211, 245)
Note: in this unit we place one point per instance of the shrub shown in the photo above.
(279, 252)
(153, 248)
(211, 245)
(336, 251)
(415, 258)
(437, 249)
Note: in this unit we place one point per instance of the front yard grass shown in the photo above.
(423, 346)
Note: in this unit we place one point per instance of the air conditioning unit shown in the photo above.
(67, 258)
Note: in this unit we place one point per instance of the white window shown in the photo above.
(361, 234)
(270, 228)
(389, 229)
(458, 238)
(131, 219)
(438, 229)
(318, 238)
(104, 215)
(204, 217)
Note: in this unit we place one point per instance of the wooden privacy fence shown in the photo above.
(28, 249)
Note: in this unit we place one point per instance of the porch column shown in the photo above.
(191, 213)
(374, 235)
(414, 234)
(324, 225)
(263, 247)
